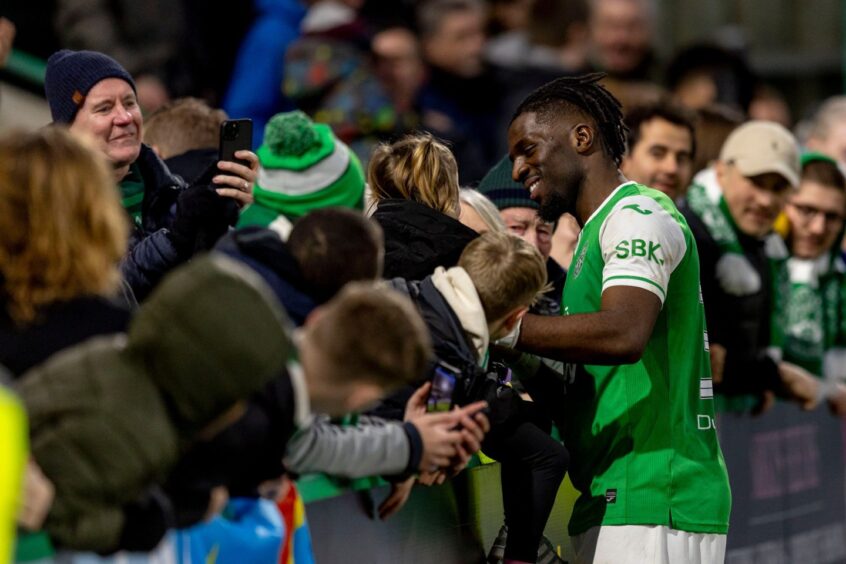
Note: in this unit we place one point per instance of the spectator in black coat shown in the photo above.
(418, 212)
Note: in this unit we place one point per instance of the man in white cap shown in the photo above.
(731, 208)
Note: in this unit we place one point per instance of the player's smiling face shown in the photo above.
(545, 162)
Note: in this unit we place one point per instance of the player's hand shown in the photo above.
(396, 499)
(801, 386)
(238, 181)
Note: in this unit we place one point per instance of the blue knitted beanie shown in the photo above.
(71, 74)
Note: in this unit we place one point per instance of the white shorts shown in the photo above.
(642, 544)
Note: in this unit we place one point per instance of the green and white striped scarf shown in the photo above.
(815, 332)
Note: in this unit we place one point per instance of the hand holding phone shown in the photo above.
(234, 177)
(235, 135)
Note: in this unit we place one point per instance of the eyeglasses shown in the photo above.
(807, 213)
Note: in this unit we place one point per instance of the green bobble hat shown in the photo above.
(303, 167)
(815, 156)
(499, 187)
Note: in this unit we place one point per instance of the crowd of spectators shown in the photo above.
(166, 313)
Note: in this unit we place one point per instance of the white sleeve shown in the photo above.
(641, 244)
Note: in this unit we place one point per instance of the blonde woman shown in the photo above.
(414, 186)
(64, 232)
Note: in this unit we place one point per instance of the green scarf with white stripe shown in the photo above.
(815, 332)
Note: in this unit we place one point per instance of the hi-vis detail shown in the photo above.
(639, 248)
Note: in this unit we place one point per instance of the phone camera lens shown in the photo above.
(231, 130)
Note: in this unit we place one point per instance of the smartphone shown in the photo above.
(235, 135)
(443, 388)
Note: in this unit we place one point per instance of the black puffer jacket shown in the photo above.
(58, 326)
(151, 252)
(418, 239)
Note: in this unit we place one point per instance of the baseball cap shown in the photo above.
(758, 147)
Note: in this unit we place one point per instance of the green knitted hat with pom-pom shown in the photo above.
(303, 167)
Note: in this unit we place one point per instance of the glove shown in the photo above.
(202, 217)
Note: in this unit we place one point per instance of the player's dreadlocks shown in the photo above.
(591, 98)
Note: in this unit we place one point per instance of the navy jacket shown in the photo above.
(151, 253)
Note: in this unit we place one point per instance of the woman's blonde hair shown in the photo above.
(63, 227)
(484, 207)
(417, 167)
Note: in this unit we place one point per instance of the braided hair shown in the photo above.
(591, 98)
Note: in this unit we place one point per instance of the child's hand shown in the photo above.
(440, 437)
(218, 498)
(396, 499)
(37, 498)
(474, 424)
(432, 478)
(473, 430)
(450, 439)
(416, 404)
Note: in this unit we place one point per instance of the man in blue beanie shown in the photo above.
(96, 97)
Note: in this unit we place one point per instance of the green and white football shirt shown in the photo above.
(642, 435)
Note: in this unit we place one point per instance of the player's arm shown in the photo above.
(641, 245)
(617, 334)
